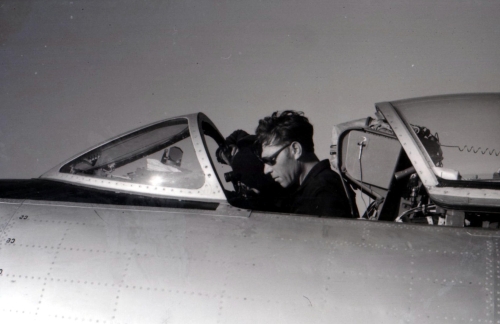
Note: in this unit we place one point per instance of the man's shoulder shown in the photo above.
(324, 174)
(322, 193)
(322, 181)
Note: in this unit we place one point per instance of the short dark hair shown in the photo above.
(286, 127)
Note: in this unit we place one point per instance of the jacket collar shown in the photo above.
(318, 168)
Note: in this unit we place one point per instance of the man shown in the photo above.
(288, 154)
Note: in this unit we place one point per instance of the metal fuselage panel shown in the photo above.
(78, 262)
(8, 208)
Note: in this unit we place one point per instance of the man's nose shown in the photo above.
(267, 169)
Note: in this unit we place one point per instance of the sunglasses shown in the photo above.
(271, 160)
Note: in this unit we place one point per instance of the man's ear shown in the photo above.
(296, 150)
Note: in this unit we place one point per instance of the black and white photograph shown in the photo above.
(253, 161)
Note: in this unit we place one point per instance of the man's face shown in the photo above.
(285, 168)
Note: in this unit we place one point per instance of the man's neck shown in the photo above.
(307, 166)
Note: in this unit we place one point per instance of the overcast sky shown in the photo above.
(74, 73)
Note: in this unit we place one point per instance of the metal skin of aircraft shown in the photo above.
(114, 236)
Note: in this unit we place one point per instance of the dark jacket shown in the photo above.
(321, 193)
